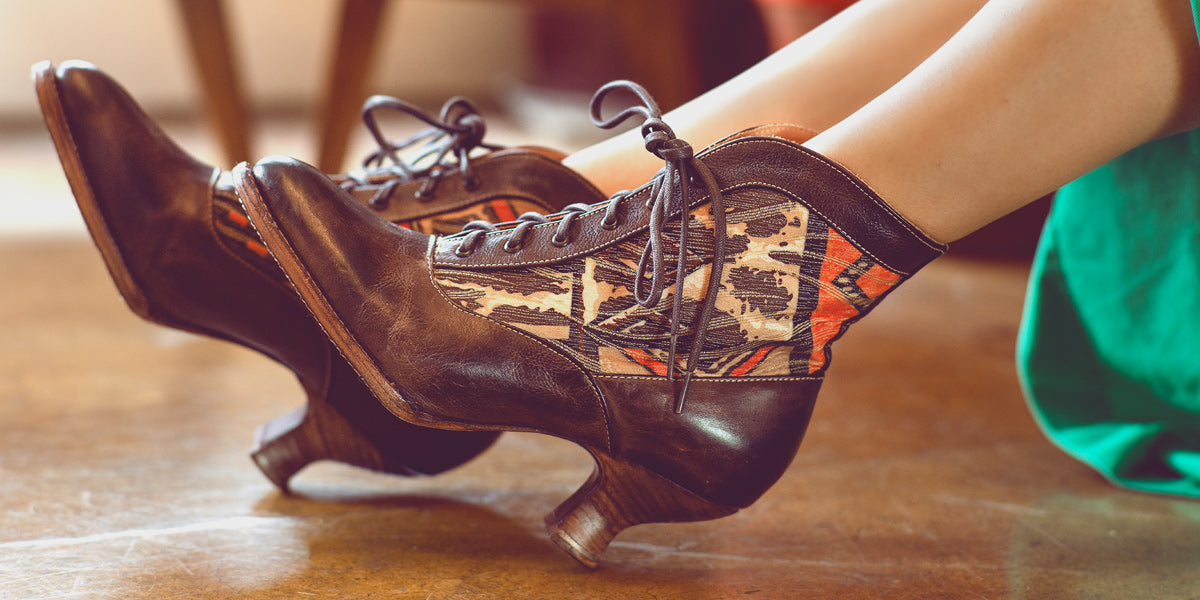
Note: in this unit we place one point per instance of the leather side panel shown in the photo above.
(734, 439)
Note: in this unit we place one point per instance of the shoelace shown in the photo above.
(453, 135)
(681, 168)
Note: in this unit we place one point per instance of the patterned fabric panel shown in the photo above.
(238, 236)
(790, 283)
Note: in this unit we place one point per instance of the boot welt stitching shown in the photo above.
(750, 379)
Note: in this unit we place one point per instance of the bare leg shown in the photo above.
(816, 82)
(1028, 96)
(784, 23)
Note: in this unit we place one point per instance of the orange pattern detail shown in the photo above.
(832, 309)
(258, 249)
(238, 218)
(504, 212)
(643, 358)
(876, 281)
(752, 362)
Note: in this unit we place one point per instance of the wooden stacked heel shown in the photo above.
(618, 495)
(287, 444)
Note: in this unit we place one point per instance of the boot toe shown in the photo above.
(306, 218)
(136, 188)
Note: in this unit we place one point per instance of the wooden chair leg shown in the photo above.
(660, 42)
(212, 54)
(346, 83)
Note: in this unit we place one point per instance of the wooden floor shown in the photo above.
(124, 474)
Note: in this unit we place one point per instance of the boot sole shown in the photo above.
(68, 154)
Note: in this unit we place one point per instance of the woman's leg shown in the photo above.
(787, 20)
(816, 82)
(1029, 95)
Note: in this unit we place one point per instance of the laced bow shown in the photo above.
(682, 168)
(449, 141)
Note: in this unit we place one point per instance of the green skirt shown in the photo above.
(1109, 348)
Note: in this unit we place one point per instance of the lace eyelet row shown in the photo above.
(515, 241)
(453, 135)
(682, 169)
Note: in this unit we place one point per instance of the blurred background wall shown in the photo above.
(530, 65)
(430, 48)
(538, 60)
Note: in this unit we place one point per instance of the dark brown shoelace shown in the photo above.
(456, 132)
(681, 167)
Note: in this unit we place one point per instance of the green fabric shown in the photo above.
(1109, 349)
(1196, 15)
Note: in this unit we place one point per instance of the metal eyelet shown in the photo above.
(509, 248)
(605, 224)
(463, 253)
(560, 242)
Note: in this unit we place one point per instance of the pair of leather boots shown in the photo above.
(679, 332)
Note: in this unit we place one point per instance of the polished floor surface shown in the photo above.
(123, 473)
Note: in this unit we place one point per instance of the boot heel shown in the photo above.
(619, 495)
(282, 447)
(287, 444)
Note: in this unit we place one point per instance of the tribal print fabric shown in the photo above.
(790, 286)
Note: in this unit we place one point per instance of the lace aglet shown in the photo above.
(671, 359)
(687, 379)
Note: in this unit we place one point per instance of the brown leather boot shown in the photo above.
(182, 253)
(686, 360)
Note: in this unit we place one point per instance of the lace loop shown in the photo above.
(648, 109)
(448, 142)
(681, 171)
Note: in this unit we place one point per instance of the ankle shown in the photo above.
(897, 190)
